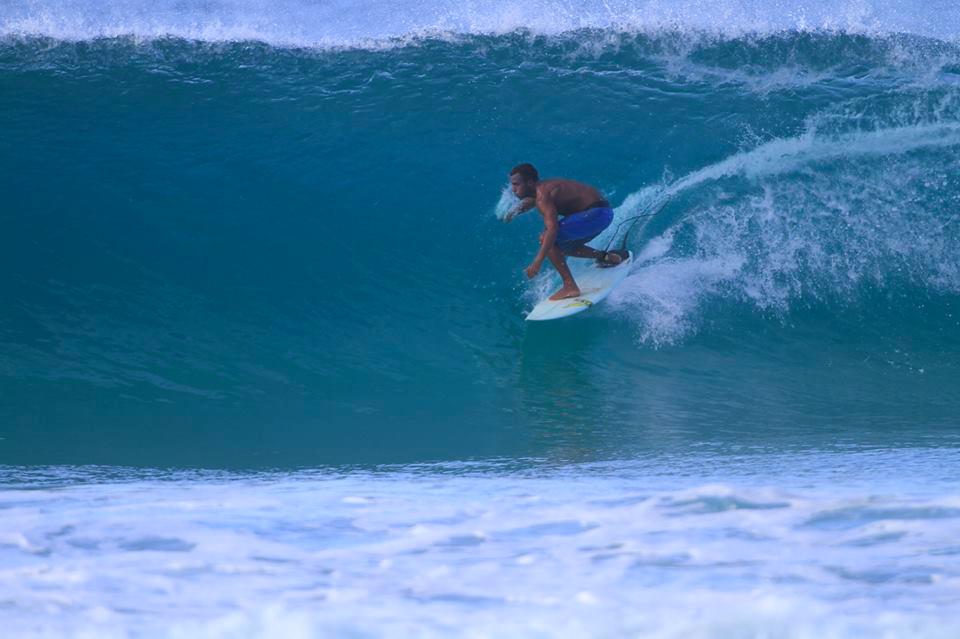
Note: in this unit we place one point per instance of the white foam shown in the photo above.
(816, 215)
(783, 155)
(621, 548)
(342, 23)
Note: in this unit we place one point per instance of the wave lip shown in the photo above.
(300, 23)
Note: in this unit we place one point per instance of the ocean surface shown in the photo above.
(264, 369)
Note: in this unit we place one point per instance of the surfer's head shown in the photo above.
(523, 180)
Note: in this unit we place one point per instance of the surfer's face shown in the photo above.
(520, 187)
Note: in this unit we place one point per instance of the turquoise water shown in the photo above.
(260, 317)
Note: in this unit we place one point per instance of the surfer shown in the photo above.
(573, 214)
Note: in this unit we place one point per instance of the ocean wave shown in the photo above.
(220, 223)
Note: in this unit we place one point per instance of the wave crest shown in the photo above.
(299, 23)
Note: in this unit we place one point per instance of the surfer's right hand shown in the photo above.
(525, 205)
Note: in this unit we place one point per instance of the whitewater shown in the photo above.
(264, 369)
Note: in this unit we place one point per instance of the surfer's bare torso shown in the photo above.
(562, 196)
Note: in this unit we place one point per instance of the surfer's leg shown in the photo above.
(579, 228)
(604, 258)
(585, 251)
(569, 288)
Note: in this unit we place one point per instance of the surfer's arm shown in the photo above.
(525, 205)
(551, 225)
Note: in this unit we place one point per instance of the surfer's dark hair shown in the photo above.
(526, 171)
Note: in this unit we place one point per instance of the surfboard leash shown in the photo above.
(632, 220)
(655, 208)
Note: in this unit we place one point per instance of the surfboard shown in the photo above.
(595, 284)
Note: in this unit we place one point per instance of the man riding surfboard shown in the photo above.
(573, 214)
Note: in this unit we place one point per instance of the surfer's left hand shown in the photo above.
(532, 270)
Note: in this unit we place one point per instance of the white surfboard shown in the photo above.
(595, 284)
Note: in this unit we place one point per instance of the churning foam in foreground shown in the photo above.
(653, 549)
(349, 22)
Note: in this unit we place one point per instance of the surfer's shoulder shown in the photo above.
(547, 189)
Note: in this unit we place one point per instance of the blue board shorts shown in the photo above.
(577, 229)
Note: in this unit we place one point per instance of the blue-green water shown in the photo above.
(259, 246)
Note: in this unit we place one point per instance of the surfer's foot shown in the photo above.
(568, 290)
(611, 258)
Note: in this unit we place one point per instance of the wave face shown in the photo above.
(249, 234)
